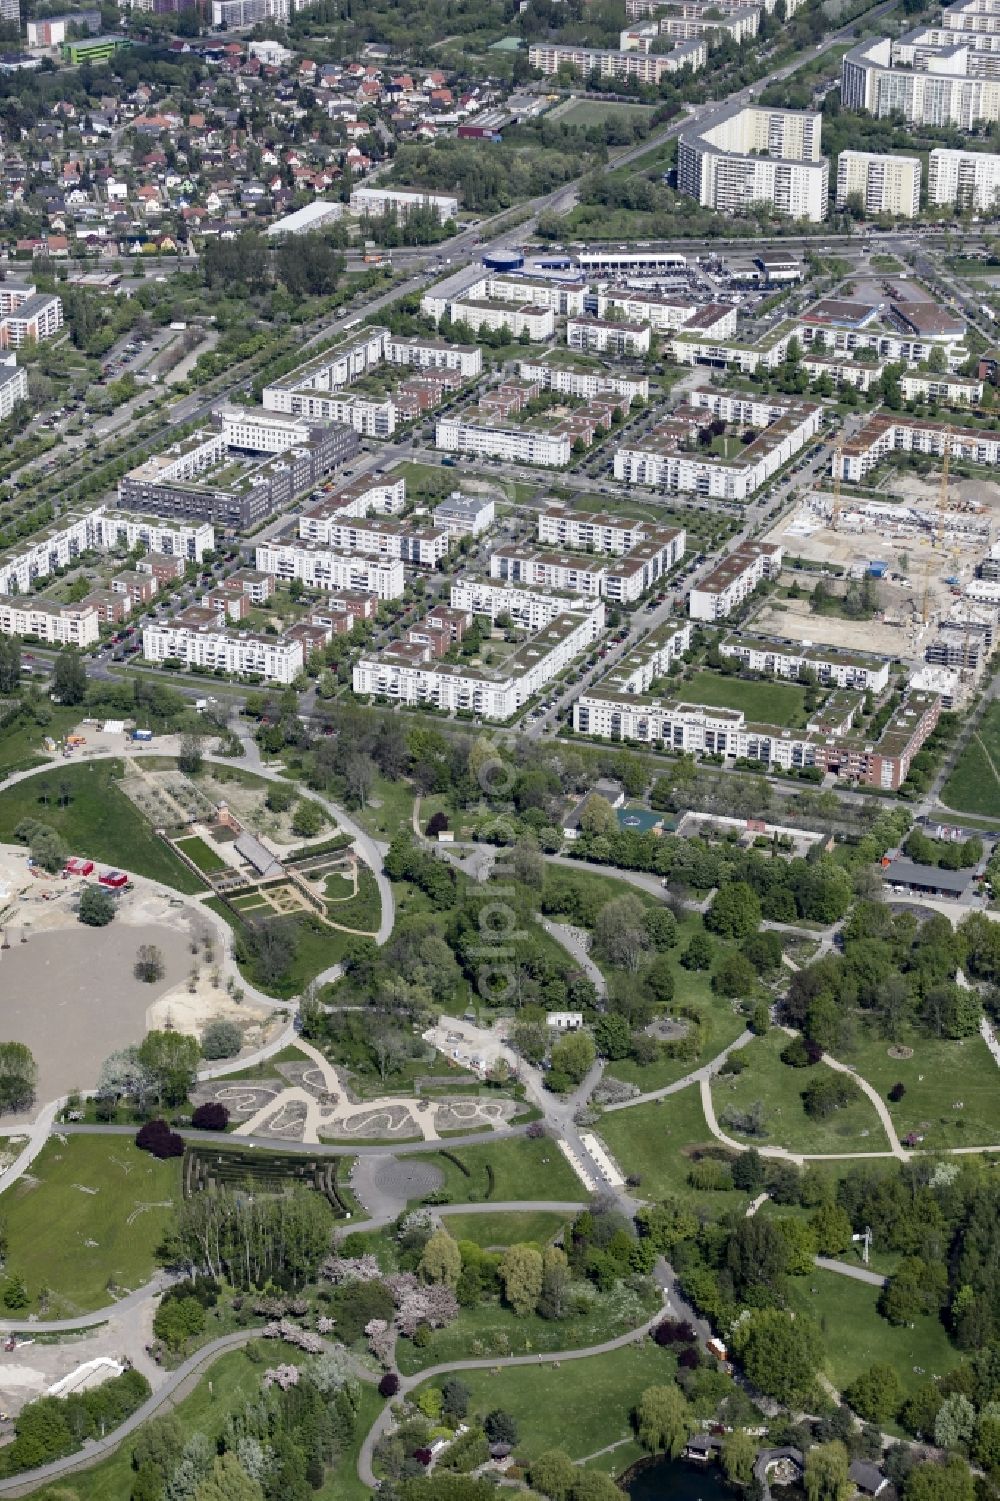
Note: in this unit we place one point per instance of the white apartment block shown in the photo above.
(13, 385)
(733, 580)
(786, 659)
(566, 573)
(969, 180)
(647, 67)
(602, 336)
(99, 530)
(321, 567)
(649, 659)
(661, 462)
(885, 184)
(407, 674)
(515, 444)
(561, 526)
(33, 319)
(261, 431)
(666, 314)
(387, 539)
(747, 154)
(884, 434)
(565, 298)
(237, 13)
(529, 609)
(465, 515)
(538, 322)
(365, 497)
(434, 354)
(59, 625)
(584, 383)
(376, 201)
(947, 94)
(276, 659)
(956, 389)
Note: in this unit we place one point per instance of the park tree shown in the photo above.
(441, 1261)
(951, 1481)
(228, 1481)
(659, 979)
(308, 819)
(148, 965)
(621, 931)
(280, 797)
(172, 1061)
(597, 817)
(832, 1228)
(177, 1320)
(613, 1036)
(663, 1419)
(555, 1283)
(739, 1453)
(10, 664)
(531, 1039)
(826, 1477)
(699, 951)
(734, 976)
(189, 755)
(47, 847)
(573, 1055)
(592, 1485)
(800, 1241)
(553, 1474)
(521, 1272)
(97, 907)
(18, 1076)
(500, 1427)
(221, 1039)
(757, 1255)
(955, 1422)
(875, 1395)
(69, 677)
(780, 1354)
(735, 911)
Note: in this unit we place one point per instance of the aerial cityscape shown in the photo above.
(500, 750)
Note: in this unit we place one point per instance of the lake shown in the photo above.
(676, 1480)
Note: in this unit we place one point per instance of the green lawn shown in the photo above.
(390, 808)
(202, 853)
(21, 743)
(974, 785)
(856, 1336)
(522, 1169)
(854, 1129)
(227, 1387)
(364, 911)
(762, 703)
(583, 1408)
(317, 947)
(97, 821)
(51, 1219)
(940, 1076)
(492, 1330)
(540, 1225)
(657, 1141)
(596, 112)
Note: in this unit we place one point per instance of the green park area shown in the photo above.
(537, 1226)
(770, 1092)
(762, 703)
(661, 1142)
(361, 911)
(283, 964)
(974, 784)
(949, 1087)
(596, 1395)
(87, 1219)
(91, 814)
(201, 853)
(518, 1168)
(22, 743)
(584, 112)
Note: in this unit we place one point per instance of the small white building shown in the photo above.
(565, 1021)
(464, 515)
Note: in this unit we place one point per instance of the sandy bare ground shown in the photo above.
(73, 998)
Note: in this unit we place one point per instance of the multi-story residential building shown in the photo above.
(529, 609)
(745, 154)
(30, 319)
(690, 19)
(885, 184)
(198, 637)
(44, 620)
(905, 334)
(53, 30)
(584, 383)
(888, 432)
(433, 354)
(666, 314)
(607, 336)
(957, 390)
(363, 497)
(230, 15)
(464, 515)
(662, 458)
(98, 530)
(320, 567)
(13, 385)
(613, 710)
(565, 298)
(408, 672)
(733, 580)
(561, 526)
(645, 67)
(538, 322)
(968, 180)
(516, 444)
(650, 659)
(873, 82)
(562, 572)
(374, 202)
(830, 665)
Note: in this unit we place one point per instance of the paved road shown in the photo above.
(845, 1269)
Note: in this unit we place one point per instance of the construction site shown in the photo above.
(922, 543)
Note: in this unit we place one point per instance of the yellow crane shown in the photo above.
(939, 515)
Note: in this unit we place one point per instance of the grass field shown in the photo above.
(655, 1142)
(596, 111)
(856, 1336)
(762, 703)
(202, 853)
(316, 949)
(854, 1129)
(72, 1240)
(522, 1169)
(595, 1397)
(940, 1076)
(21, 744)
(97, 821)
(501, 1229)
(974, 785)
(363, 911)
(390, 808)
(492, 1330)
(227, 1386)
